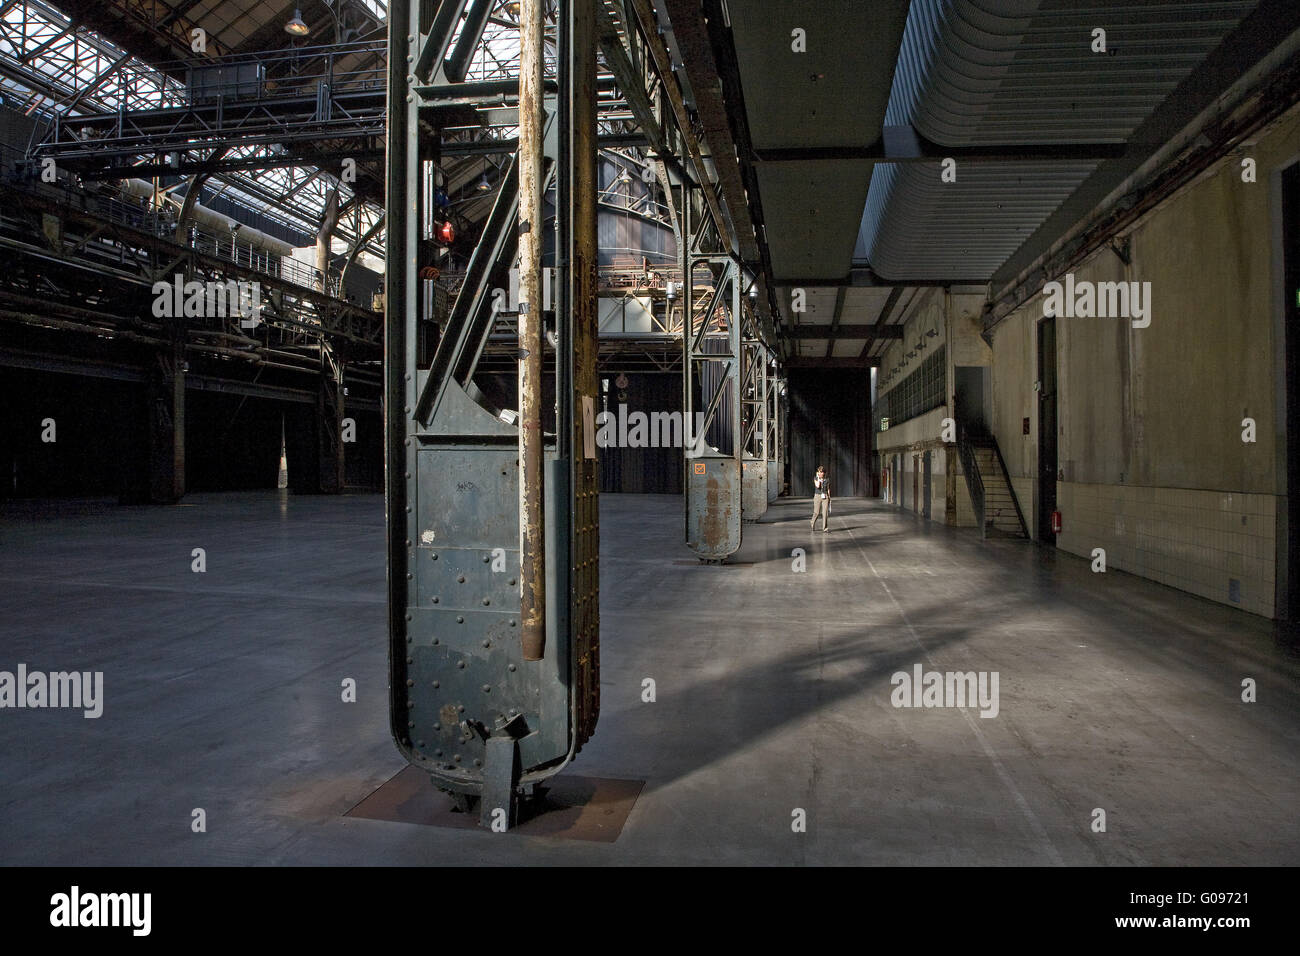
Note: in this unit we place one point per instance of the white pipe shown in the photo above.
(211, 221)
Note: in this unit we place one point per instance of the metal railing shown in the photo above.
(292, 72)
(974, 483)
(1006, 478)
(161, 222)
(261, 97)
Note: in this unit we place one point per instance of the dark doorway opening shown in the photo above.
(1047, 429)
(971, 398)
(926, 459)
(916, 478)
(829, 425)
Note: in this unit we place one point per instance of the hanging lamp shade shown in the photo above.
(297, 26)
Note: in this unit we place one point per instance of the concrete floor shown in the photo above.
(222, 692)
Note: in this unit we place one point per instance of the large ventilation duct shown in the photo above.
(1025, 75)
(209, 220)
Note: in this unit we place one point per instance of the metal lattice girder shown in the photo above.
(133, 248)
(468, 705)
(774, 389)
(87, 86)
(753, 496)
(711, 362)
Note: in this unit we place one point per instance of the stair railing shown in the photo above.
(974, 483)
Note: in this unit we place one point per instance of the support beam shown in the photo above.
(863, 276)
(810, 361)
(903, 144)
(663, 63)
(532, 214)
(844, 332)
(454, 466)
(833, 331)
(629, 81)
(165, 389)
(718, 102)
(882, 328)
(325, 239)
(329, 413)
(457, 65)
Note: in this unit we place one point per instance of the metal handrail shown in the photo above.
(974, 483)
(1006, 477)
(162, 223)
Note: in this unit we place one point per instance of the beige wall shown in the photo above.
(1152, 465)
(955, 318)
(1014, 372)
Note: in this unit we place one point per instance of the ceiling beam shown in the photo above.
(840, 295)
(715, 84)
(813, 361)
(616, 57)
(861, 276)
(903, 144)
(845, 332)
(882, 329)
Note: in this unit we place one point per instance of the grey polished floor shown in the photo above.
(222, 692)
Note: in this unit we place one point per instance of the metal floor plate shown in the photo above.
(573, 807)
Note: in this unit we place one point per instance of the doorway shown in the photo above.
(925, 483)
(916, 478)
(1047, 429)
(971, 399)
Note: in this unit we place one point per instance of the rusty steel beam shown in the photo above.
(844, 332)
(532, 542)
(809, 361)
(710, 81)
(584, 522)
(663, 63)
(882, 329)
(629, 82)
(692, 34)
(835, 319)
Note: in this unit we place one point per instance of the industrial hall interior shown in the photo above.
(649, 432)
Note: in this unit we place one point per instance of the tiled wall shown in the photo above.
(1188, 539)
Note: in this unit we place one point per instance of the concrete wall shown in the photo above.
(955, 320)
(911, 497)
(1015, 369)
(1152, 466)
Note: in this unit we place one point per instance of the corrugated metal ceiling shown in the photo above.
(1024, 74)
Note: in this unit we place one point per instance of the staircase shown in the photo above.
(996, 509)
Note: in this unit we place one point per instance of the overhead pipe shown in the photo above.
(532, 541)
(209, 219)
(457, 65)
(325, 238)
(439, 38)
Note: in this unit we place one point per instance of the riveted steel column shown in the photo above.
(736, 338)
(402, 161)
(532, 543)
(583, 264)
